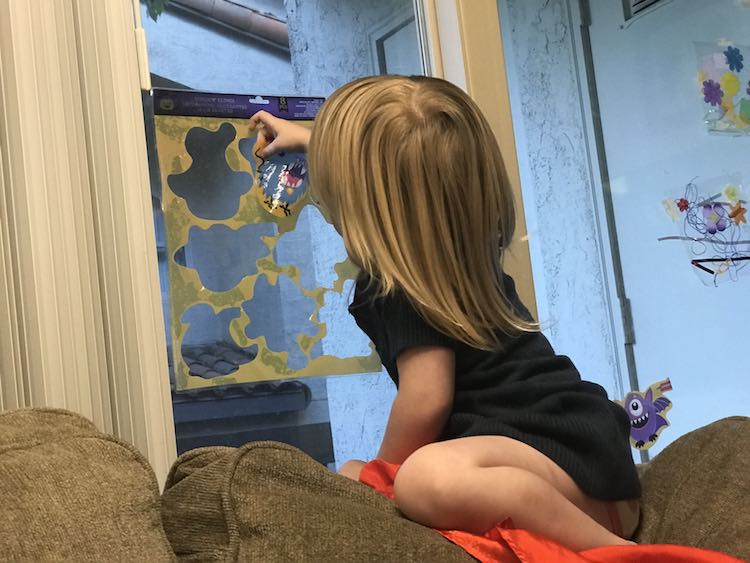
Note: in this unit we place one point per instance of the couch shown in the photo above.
(71, 493)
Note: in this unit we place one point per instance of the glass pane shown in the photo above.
(262, 48)
(633, 132)
(674, 93)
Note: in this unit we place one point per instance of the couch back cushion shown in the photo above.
(696, 492)
(268, 501)
(71, 493)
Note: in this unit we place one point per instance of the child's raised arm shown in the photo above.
(280, 134)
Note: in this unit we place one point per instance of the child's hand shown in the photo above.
(279, 135)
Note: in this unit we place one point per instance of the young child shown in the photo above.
(488, 422)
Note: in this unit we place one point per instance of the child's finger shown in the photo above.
(266, 136)
(261, 117)
(269, 150)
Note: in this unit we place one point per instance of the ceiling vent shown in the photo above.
(634, 7)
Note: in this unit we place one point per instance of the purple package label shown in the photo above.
(240, 106)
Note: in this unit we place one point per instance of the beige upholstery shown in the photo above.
(270, 502)
(68, 492)
(71, 493)
(697, 491)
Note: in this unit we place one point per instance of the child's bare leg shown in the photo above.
(475, 483)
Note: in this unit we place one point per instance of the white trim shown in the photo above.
(606, 266)
(142, 50)
(422, 15)
(450, 42)
(382, 28)
(429, 37)
(141, 46)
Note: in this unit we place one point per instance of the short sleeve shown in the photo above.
(405, 328)
(515, 301)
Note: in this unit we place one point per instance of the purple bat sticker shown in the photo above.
(647, 414)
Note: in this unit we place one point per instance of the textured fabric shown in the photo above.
(523, 391)
(270, 502)
(697, 490)
(508, 545)
(193, 509)
(71, 493)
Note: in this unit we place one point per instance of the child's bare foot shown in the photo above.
(352, 469)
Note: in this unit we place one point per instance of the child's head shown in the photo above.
(411, 175)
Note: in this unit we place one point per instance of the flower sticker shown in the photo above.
(730, 84)
(731, 192)
(671, 208)
(737, 214)
(745, 111)
(712, 93)
(712, 225)
(715, 217)
(734, 58)
(724, 87)
(713, 66)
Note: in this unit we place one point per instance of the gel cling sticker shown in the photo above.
(647, 413)
(281, 181)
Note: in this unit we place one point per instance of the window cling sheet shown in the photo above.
(251, 296)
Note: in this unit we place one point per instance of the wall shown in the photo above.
(212, 58)
(330, 42)
(552, 142)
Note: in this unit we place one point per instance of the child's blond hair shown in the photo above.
(409, 171)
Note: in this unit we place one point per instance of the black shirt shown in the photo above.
(523, 391)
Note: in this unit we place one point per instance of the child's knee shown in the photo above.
(425, 487)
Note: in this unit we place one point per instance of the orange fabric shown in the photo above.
(506, 544)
